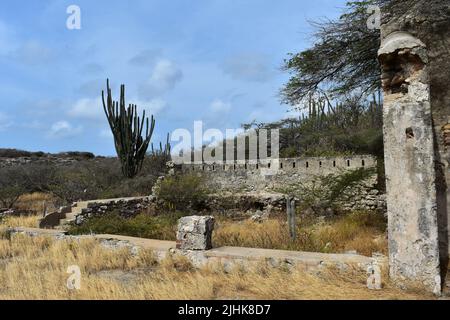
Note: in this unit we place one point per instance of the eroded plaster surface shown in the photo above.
(409, 160)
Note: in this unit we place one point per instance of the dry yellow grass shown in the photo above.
(359, 231)
(345, 234)
(21, 221)
(35, 268)
(36, 202)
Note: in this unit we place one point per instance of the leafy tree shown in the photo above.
(352, 126)
(343, 58)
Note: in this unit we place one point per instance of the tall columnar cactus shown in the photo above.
(127, 128)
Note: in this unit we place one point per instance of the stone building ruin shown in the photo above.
(415, 61)
(291, 175)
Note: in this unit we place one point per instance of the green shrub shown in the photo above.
(161, 227)
(183, 191)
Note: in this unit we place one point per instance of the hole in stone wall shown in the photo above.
(281, 165)
(245, 166)
(293, 165)
(268, 165)
(257, 166)
(334, 164)
(409, 133)
(203, 168)
(348, 163)
(363, 163)
(214, 168)
(234, 167)
(307, 164)
(224, 168)
(398, 67)
(320, 164)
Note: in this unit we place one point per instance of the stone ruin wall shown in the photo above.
(126, 207)
(277, 175)
(415, 59)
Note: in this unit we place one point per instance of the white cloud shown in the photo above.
(145, 57)
(220, 106)
(86, 108)
(92, 109)
(164, 77)
(64, 129)
(166, 73)
(154, 106)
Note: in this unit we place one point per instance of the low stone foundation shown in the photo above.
(126, 207)
(227, 257)
(80, 211)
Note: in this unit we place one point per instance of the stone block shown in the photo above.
(195, 233)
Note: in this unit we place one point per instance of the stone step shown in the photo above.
(66, 221)
(76, 210)
(78, 207)
(81, 205)
(72, 214)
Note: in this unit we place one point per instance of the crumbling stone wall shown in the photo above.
(240, 181)
(127, 208)
(274, 174)
(415, 58)
(363, 196)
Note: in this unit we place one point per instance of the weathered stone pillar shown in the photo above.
(409, 161)
(195, 233)
(415, 58)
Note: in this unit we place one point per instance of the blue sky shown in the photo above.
(212, 60)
